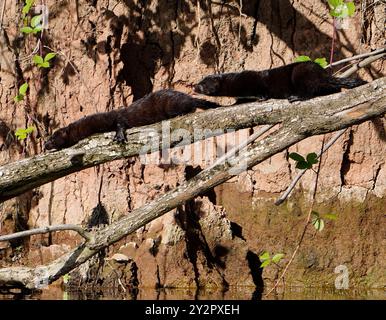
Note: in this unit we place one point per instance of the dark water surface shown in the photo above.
(237, 293)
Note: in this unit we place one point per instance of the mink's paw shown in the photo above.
(120, 138)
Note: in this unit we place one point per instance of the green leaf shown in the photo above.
(322, 62)
(23, 89)
(296, 156)
(334, 3)
(350, 8)
(303, 165)
(277, 257)
(265, 263)
(264, 256)
(66, 278)
(343, 10)
(18, 98)
(330, 216)
(302, 59)
(37, 29)
(35, 21)
(29, 129)
(312, 158)
(318, 224)
(49, 56)
(21, 134)
(26, 30)
(314, 214)
(27, 6)
(38, 59)
(45, 64)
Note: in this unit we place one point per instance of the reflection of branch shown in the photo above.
(60, 227)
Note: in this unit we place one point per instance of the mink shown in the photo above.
(296, 81)
(152, 108)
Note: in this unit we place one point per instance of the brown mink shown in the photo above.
(295, 81)
(152, 108)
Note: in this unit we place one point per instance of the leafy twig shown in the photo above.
(302, 172)
(307, 220)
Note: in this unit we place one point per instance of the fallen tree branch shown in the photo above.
(21, 176)
(335, 112)
(47, 229)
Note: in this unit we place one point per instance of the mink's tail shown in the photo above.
(346, 82)
(204, 104)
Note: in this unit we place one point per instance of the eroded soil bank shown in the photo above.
(113, 52)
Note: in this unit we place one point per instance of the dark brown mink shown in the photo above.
(152, 108)
(295, 81)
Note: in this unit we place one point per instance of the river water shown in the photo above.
(238, 293)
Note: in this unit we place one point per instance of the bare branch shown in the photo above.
(362, 64)
(359, 56)
(42, 230)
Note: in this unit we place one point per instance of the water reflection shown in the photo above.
(237, 293)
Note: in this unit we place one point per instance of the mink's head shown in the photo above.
(210, 85)
(58, 140)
